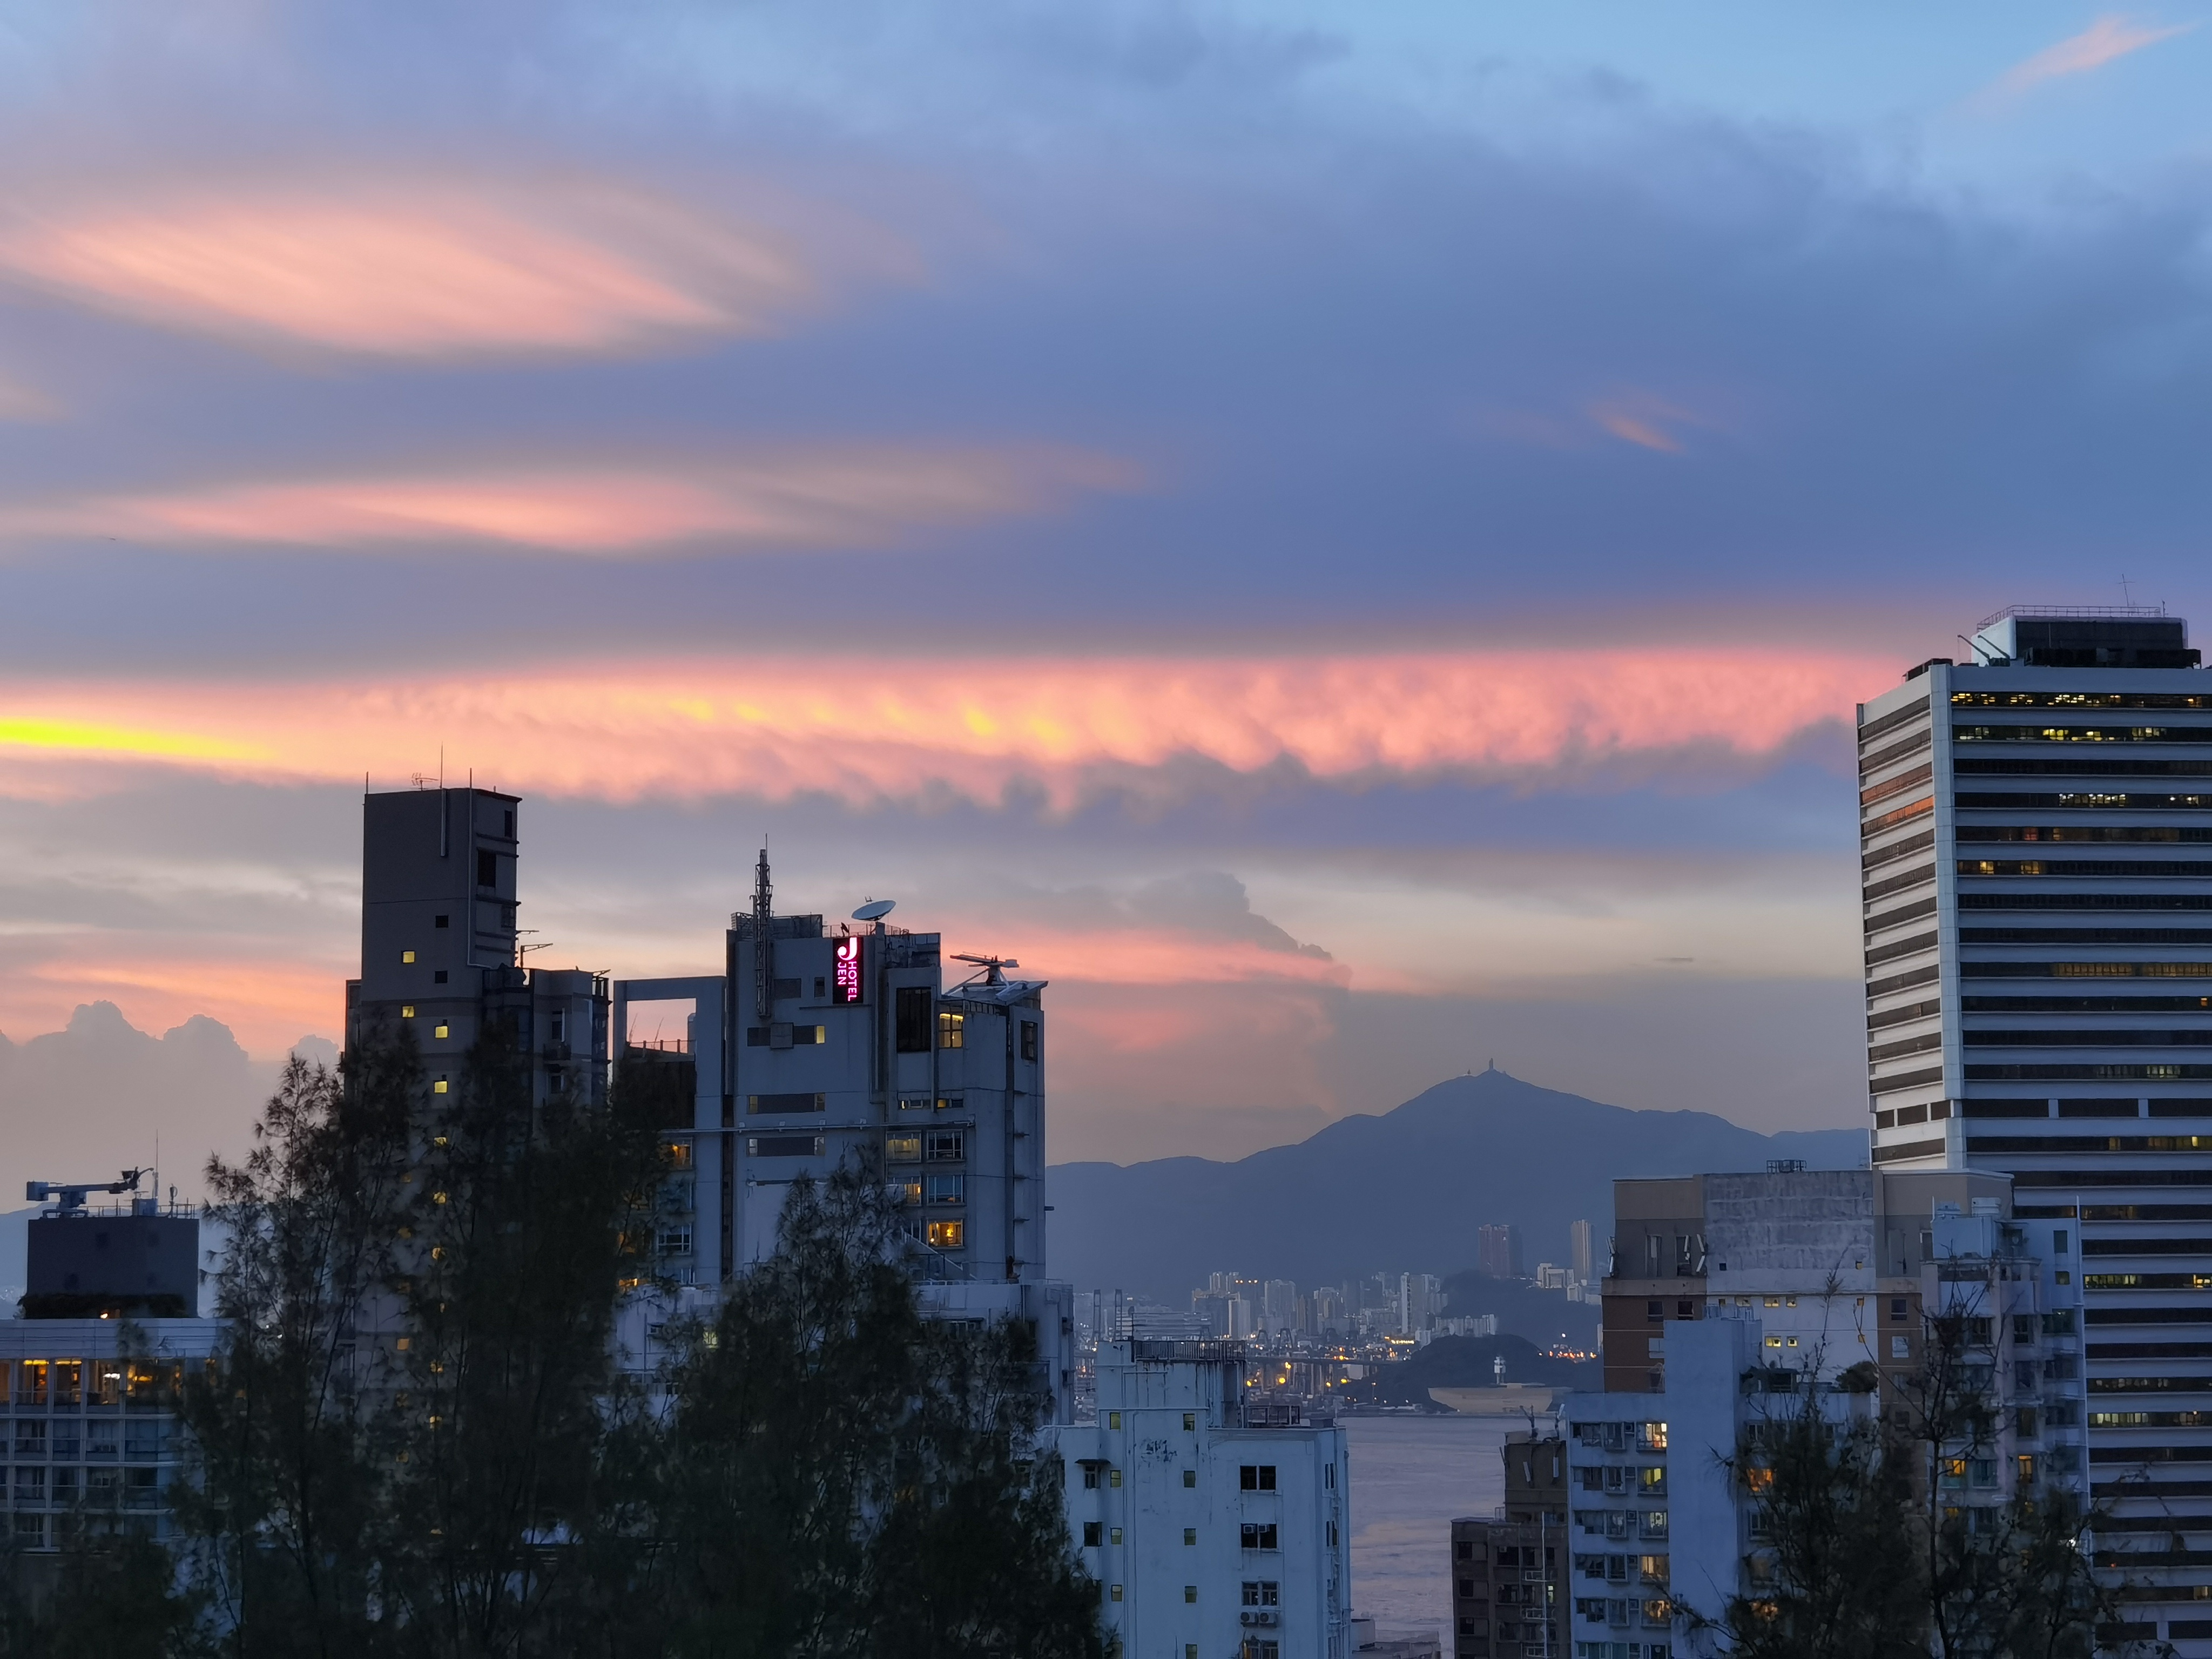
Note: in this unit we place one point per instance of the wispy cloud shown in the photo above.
(827, 496)
(877, 729)
(2112, 37)
(413, 267)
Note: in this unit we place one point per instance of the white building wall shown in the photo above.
(1159, 1506)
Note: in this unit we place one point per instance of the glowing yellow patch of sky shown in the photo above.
(84, 737)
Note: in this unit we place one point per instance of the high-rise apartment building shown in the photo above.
(1578, 1236)
(439, 936)
(826, 1044)
(2039, 965)
(1497, 1251)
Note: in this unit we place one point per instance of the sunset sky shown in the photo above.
(1344, 536)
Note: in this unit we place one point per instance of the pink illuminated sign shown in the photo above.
(848, 982)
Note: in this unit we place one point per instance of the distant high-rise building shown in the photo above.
(1578, 1236)
(1497, 1251)
(2035, 834)
(1279, 1306)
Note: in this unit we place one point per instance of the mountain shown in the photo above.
(1403, 1191)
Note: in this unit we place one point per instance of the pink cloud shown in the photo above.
(865, 728)
(414, 267)
(2112, 37)
(850, 496)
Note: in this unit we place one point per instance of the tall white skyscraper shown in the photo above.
(2036, 853)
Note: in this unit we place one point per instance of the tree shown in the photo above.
(843, 1476)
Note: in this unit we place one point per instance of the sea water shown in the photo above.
(1410, 1478)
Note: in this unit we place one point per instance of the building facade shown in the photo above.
(1810, 1292)
(1511, 1596)
(1216, 1524)
(2038, 964)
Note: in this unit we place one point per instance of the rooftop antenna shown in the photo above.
(763, 908)
(2127, 593)
(1982, 654)
(990, 965)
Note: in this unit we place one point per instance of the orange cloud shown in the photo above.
(849, 496)
(865, 727)
(268, 1004)
(414, 267)
(2112, 37)
(1641, 419)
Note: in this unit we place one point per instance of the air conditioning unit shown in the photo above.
(1256, 1616)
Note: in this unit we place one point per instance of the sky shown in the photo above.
(1345, 537)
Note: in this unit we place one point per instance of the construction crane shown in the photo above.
(67, 1197)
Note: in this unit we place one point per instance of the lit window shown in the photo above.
(952, 1029)
(407, 956)
(950, 1236)
(1113, 1419)
(439, 1087)
(406, 1011)
(401, 1344)
(1114, 1479)
(441, 1029)
(903, 1149)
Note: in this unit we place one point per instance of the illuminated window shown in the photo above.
(949, 1235)
(406, 1011)
(910, 1193)
(407, 956)
(439, 1087)
(401, 1343)
(903, 1149)
(441, 1030)
(1114, 1479)
(951, 1030)
(1113, 1419)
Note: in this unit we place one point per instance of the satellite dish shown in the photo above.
(874, 910)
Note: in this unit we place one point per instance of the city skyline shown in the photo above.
(1352, 561)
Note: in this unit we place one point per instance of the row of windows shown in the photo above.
(2098, 799)
(2147, 1281)
(2075, 1005)
(2026, 766)
(2080, 970)
(2087, 1073)
(2097, 1106)
(2086, 1038)
(1896, 751)
(1889, 722)
(2080, 901)
(66, 1438)
(2168, 833)
(2196, 869)
(2081, 733)
(2089, 1143)
(2073, 937)
(2077, 699)
(935, 1147)
(66, 1384)
(934, 1189)
(1253, 1536)
(1891, 852)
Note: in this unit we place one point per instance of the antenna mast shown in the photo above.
(763, 906)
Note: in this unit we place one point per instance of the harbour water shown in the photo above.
(1410, 1477)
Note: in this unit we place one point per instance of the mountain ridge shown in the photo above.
(1397, 1191)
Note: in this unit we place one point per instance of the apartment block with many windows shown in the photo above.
(2036, 849)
